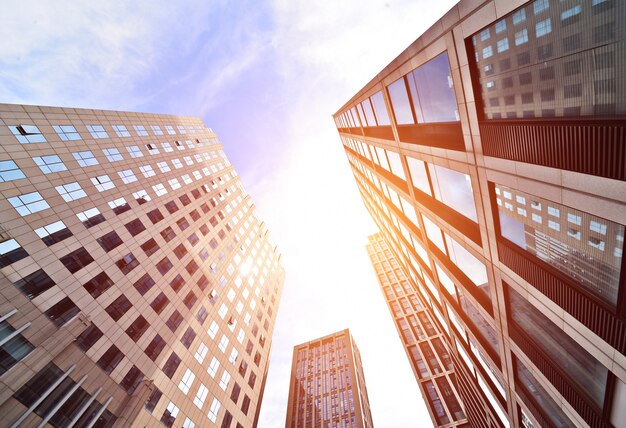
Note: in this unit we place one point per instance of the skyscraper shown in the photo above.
(137, 286)
(490, 154)
(424, 344)
(327, 386)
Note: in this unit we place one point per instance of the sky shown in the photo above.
(266, 76)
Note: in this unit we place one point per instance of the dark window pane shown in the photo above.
(135, 227)
(38, 384)
(164, 265)
(171, 365)
(153, 400)
(62, 312)
(202, 315)
(98, 284)
(245, 404)
(119, 307)
(193, 239)
(34, 284)
(155, 216)
(11, 256)
(88, 337)
(137, 328)
(188, 337)
(191, 267)
(13, 350)
(143, 284)
(185, 200)
(127, 263)
(182, 223)
(168, 234)
(57, 236)
(180, 251)
(171, 207)
(190, 299)
(159, 303)
(154, 348)
(76, 260)
(110, 359)
(150, 247)
(177, 283)
(131, 380)
(174, 321)
(109, 241)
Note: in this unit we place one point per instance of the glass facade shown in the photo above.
(561, 59)
(586, 248)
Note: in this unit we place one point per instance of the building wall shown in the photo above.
(533, 306)
(156, 295)
(424, 344)
(327, 385)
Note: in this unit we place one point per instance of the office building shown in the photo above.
(490, 153)
(327, 386)
(137, 288)
(423, 343)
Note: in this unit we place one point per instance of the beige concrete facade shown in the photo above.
(534, 340)
(137, 288)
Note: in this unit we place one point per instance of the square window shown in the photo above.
(102, 183)
(543, 28)
(71, 192)
(141, 196)
(67, 132)
(97, 131)
(170, 130)
(141, 130)
(90, 217)
(159, 189)
(49, 164)
(112, 154)
(163, 166)
(134, 151)
(156, 129)
(121, 131)
(85, 158)
(127, 176)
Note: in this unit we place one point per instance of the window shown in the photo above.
(88, 338)
(127, 176)
(581, 367)
(110, 359)
(47, 164)
(156, 129)
(34, 284)
(137, 328)
(186, 381)
(540, 5)
(134, 151)
(487, 51)
(152, 149)
(71, 192)
(109, 241)
(76, 260)
(543, 27)
(519, 16)
(118, 307)
(225, 380)
(62, 312)
(212, 331)
(594, 270)
(27, 134)
(169, 415)
(188, 337)
(200, 397)
(159, 189)
(170, 130)
(9, 171)
(201, 352)
(213, 367)
(141, 197)
(214, 410)
(102, 183)
(181, 129)
(163, 166)
(119, 205)
(141, 130)
(453, 189)
(174, 321)
(164, 265)
(223, 343)
(127, 263)
(28, 203)
(380, 109)
(132, 380)
(121, 131)
(502, 45)
(66, 132)
(98, 284)
(90, 217)
(171, 365)
(85, 158)
(147, 171)
(400, 102)
(113, 154)
(97, 131)
(500, 26)
(53, 233)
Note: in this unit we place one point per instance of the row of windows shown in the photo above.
(28, 134)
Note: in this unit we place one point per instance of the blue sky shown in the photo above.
(266, 76)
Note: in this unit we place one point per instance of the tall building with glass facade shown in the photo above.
(491, 155)
(423, 343)
(137, 288)
(327, 386)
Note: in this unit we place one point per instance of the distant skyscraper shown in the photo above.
(137, 288)
(327, 387)
(425, 346)
(490, 153)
